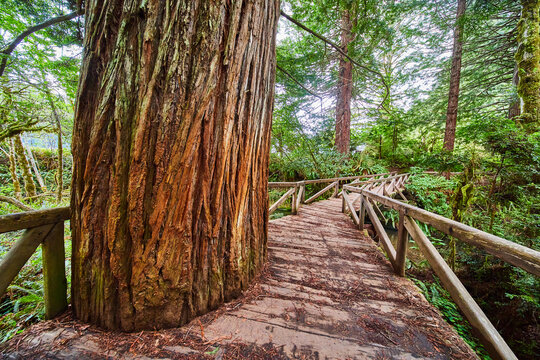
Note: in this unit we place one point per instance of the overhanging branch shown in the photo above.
(339, 50)
(32, 29)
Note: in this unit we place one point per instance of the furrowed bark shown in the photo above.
(170, 146)
(455, 75)
(344, 91)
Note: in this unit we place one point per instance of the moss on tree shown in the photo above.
(528, 61)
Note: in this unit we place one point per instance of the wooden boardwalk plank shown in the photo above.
(328, 293)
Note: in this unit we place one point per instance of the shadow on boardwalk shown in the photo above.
(327, 292)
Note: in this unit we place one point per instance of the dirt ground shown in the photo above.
(327, 292)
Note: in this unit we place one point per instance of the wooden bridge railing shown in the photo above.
(515, 254)
(45, 228)
(297, 189)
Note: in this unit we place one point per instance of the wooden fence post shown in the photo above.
(54, 271)
(402, 244)
(361, 213)
(294, 210)
(18, 255)
(336, 190)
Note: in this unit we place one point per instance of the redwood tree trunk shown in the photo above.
(170, 147)
(344, 90)
(455, 74)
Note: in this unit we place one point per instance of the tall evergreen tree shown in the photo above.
(455, 74)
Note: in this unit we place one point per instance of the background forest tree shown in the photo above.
(384, 106)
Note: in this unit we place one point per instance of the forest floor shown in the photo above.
(326, 292)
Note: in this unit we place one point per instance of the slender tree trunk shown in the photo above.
(29, 185)
(170, 147)
(455, 74)
(60, 169)
(36, 170)
(13, 170)
(344, 89)
(514, 109)
(528, 62)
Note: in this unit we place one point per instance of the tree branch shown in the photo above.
(339, 50)
(16, 203)
(32, 29)
(297, 82)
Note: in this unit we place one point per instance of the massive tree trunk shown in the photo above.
(528, 62)
(344, 89)
(170, 148)
(455, 74)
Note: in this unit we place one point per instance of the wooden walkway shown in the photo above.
(328, 293)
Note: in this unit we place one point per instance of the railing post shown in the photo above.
(402, 244)
(54, 271)
(361, 213)
(294, 210)
(303, 197)
(343, 205)
(336, 190)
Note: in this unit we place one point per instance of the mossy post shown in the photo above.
(170, 147)
(528, 62)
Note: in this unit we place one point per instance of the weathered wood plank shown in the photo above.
(383, 237)
(345, 178)
(282, 184)
(294, 209)
(54, 271)
(311, 199)
(402, 244)
(281, 201)
(351, 207)
(515, 254)
(19, 254)
(361, 213)
(490, 337)
(300, 198)
(30, 219)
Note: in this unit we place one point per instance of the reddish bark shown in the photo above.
(170, 148)
(344, 89)
(455, 74)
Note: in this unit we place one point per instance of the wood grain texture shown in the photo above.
(171, 142)
(518, 255)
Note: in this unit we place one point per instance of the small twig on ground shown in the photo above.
(202, 330)
(137, 339)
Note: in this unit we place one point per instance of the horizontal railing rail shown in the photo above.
(523, 257)
(299, 187)
(45, 228)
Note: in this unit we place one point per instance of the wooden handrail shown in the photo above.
(281, 200)
(30, 219)
(46, 228)
(515, 254)
(278, 184)
(488, 334)
(311, 199)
